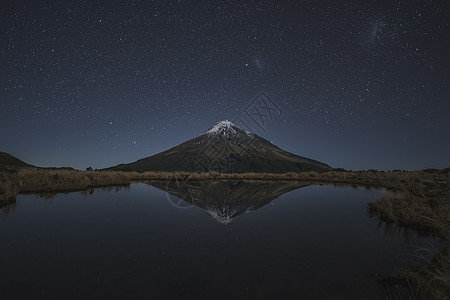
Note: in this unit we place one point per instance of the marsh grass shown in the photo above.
(427, 279)
(421, 203)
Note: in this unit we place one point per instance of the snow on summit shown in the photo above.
(225, 128)
(221, 126)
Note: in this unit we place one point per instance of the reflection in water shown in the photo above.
(317, 243)
(108, 189)
(225, 200)
(392, 230)
(9, 207)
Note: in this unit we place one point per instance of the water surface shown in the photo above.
(226, 240)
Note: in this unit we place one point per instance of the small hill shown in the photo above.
(225, 148)
(7, 160)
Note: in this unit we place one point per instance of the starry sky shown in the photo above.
(355, 84)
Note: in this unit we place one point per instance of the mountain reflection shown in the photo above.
(225, 200)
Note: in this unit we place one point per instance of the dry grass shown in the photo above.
(421, 203)
(34, 180)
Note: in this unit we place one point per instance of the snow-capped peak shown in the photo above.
(225, 128)
(221, 126)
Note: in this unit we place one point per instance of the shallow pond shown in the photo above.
(225, 240)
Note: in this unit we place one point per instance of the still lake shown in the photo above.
(226, 240)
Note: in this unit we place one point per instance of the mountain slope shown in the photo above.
(225, 148)
(7, 160)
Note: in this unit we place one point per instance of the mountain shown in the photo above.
(7, 160)
(225, 148)
(225, 200)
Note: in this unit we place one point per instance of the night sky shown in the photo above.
(356, 84)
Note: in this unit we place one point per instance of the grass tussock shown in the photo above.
(421, 202)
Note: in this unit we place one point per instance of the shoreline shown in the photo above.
(36, 180)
